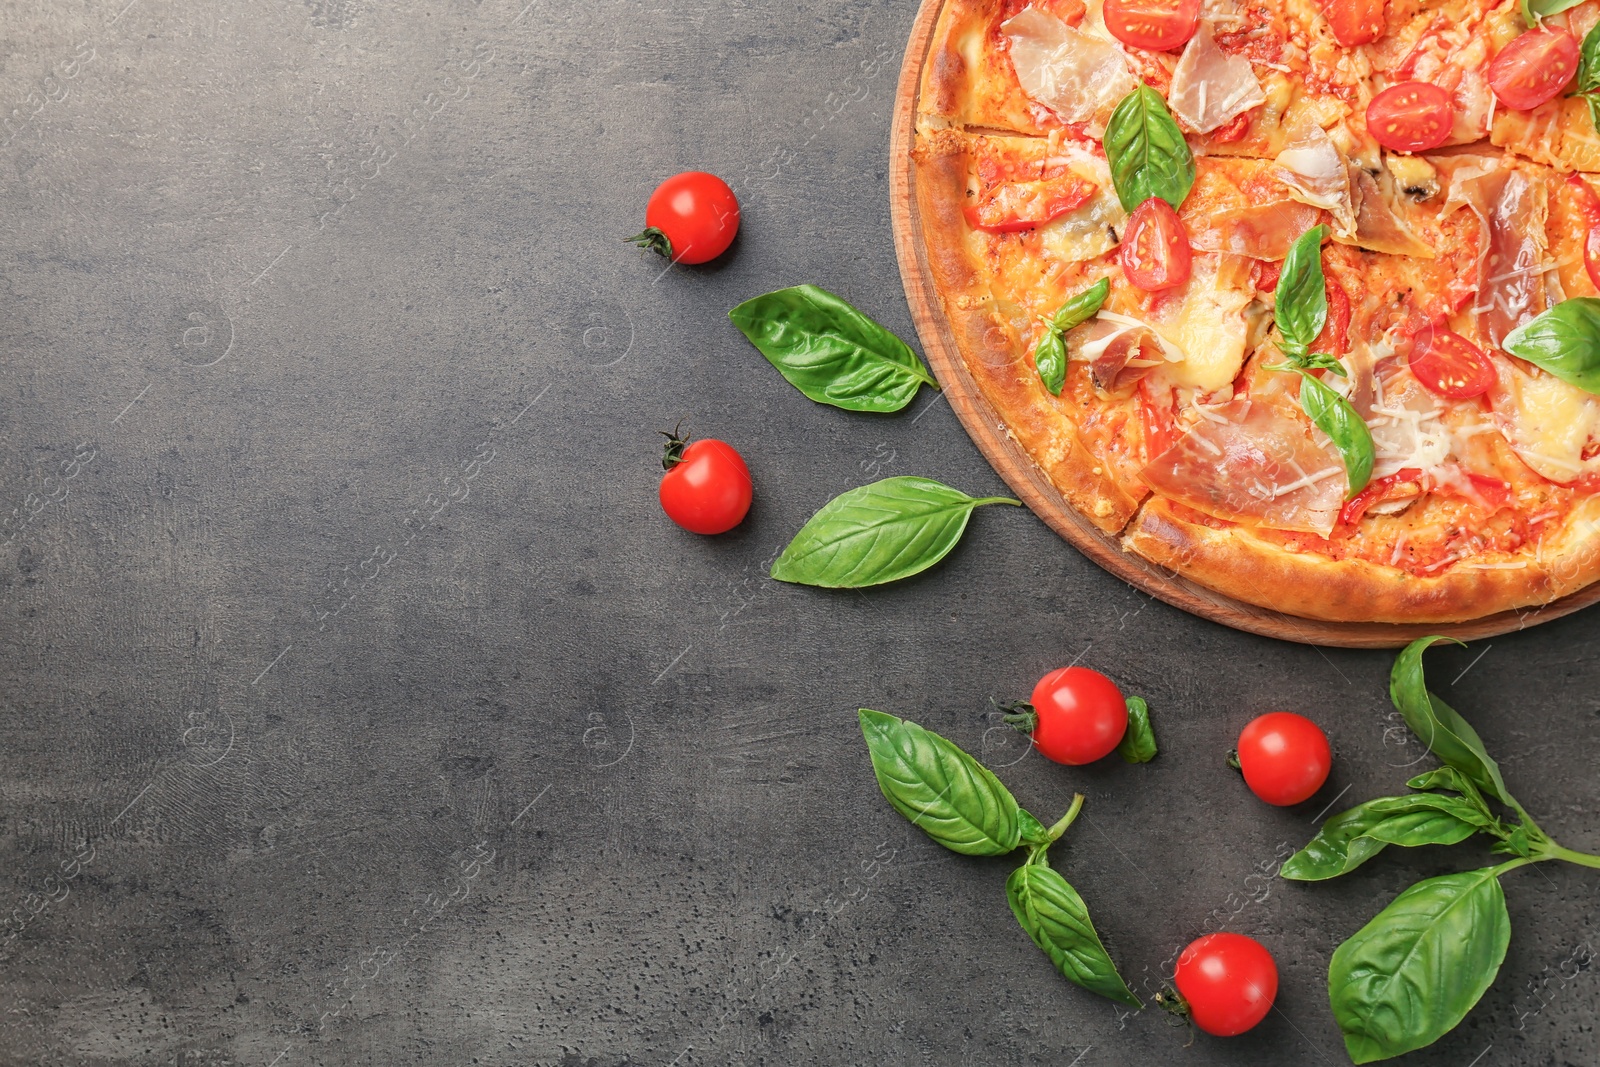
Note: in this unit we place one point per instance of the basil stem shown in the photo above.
(946, 793)
(1147, 151)
(879, 533)
(1050, 354)
(1411, 974)
(1335, 417)
(830, 351)
(1564, 341)
(1138, 744)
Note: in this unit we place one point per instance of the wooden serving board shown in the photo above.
(1014, 465)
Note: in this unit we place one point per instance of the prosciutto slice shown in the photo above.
(1209, 86)
(1260, 231)
(1511, 286)
(1251, 462)
(1379, 226)
(1113, 351)
(1318, 175)
(1077, 76)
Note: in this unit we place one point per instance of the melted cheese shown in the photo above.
(1209, 327)
(1549, 424)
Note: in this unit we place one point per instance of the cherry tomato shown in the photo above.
(706, 489)
(1534, 67)
(1589, 208)
(1449, 365)
(1228, 982)
(1079, 716)
(1411, 117)
(1155, 249)
(1158, 25)
(691, 218)
(1013, 207)
(1232, 130)
(1284, 757)
(1354, 21)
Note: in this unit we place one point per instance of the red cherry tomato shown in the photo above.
(706, 489)
(1589, 208)
(1354, 21)
(1284, 757)
(1449, 365)
(1155, 249)
(1228, 981)
(1411, 117)
(1534, 67)
(1376, 490)
(1080, 715)
(691, 218)
(1158, 25)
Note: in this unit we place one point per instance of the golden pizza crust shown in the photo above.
(1237, 563)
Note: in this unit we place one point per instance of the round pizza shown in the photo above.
(1296, 298)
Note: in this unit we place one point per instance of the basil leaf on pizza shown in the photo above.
(830, 351)
(1589, 62)
(1301, 298)
(1050, 354)
(1534, 10)
(879, 533)
(1564, 341)
(1147, 152)
(1335, 417)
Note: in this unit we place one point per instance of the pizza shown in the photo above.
(1295, 298)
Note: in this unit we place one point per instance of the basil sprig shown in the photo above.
(1147, 152)
(1587, 84)
(830, 351)
(879, 533)
(1300, 311)
(1409, 976)
(1050, 354)
(959, 803)
(1565, 341)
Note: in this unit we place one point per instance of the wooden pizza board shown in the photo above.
(1025, 478)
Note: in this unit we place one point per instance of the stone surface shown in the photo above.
(360, 707)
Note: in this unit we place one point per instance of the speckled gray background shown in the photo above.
(360, 707)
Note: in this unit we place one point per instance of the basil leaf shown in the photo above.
(1138, 744)
(1033, 831)
(831, 352)
(1057, 920)
(1301, 298)
(1411, 974)
(1437, 725)
(1050, 357)
(1594, 111)
(946, 793)
(1352, 837)
(878, 533)
(1534, 10)
(1335, 417)
(1147, 152)
(1450, 780)
(1589, 63)
(1565, 341)
(1081, 307)
(1050, 354)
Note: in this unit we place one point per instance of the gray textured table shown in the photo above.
(361, 707)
